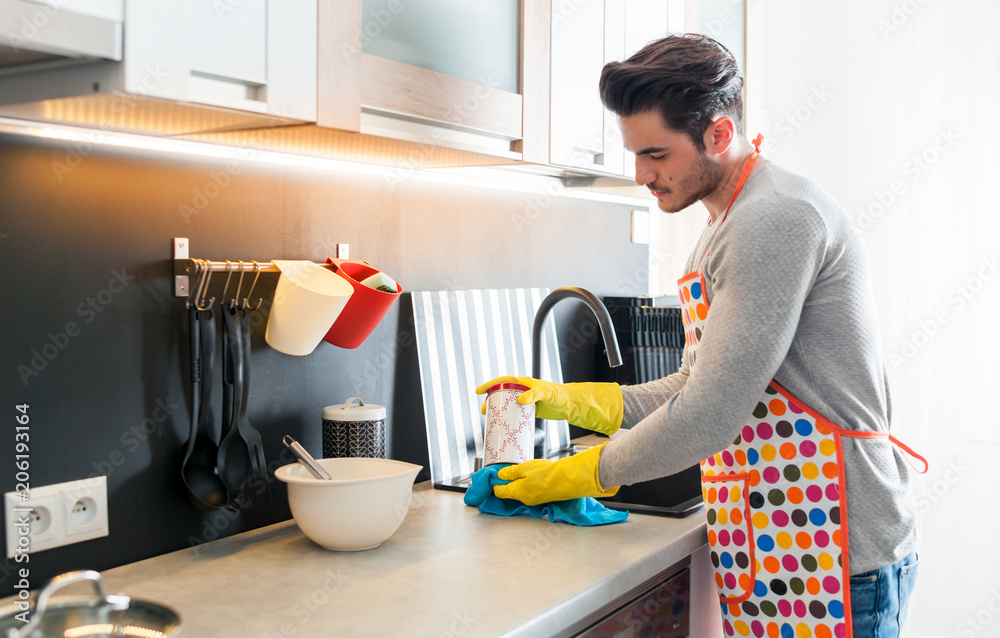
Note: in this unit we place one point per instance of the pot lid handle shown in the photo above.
(348, 406)
(65, 580)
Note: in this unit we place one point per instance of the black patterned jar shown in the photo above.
(354, 429)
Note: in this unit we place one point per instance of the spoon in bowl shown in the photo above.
(306, 459)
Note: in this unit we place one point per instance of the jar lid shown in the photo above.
(508, 386)
(349, 412)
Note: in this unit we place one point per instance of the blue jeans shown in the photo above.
(880, 598)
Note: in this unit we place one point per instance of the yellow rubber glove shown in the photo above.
(544, 480)
(594, 406)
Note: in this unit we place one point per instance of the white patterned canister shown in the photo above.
(354, 428)
(510, 426)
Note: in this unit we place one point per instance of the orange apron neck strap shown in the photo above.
(910, 453)
(746, 171)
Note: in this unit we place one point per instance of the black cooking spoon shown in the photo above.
(198, 472)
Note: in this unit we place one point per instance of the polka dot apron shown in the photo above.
(776, 505)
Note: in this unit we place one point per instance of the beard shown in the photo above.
(700, 182)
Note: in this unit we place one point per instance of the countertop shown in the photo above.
(447, 571)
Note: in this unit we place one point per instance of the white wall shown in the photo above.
(894, 107)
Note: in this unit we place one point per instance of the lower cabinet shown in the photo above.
(662, 610)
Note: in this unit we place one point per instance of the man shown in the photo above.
(782, 396)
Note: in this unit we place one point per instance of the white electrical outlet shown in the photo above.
(56, 515)
(33, 524)
(85, 508)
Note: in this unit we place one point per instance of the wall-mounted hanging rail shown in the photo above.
(185, 268)
(353, 300)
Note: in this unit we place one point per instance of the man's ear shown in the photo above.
(720, 135)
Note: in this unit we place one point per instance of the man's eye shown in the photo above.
(657, 157)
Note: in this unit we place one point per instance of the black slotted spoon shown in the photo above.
(259, 485)
(234, 451)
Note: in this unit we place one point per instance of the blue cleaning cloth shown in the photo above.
(577, 511)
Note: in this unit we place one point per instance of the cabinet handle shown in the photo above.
(598, 156)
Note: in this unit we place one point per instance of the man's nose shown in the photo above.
(643, 174)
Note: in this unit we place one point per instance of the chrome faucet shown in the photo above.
(607, 333)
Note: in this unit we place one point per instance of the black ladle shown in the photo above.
(234, 451)
(198, 467)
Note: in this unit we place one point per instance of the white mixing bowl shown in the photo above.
(362, 506)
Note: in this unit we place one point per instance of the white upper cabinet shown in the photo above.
(33, 33)
(501, 81)
(725, 20)
(254, 55)
(229, 42)
(586, 35)
(644, 22)
(580, 39)
(186, 66)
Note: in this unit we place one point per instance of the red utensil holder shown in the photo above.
(365, 308)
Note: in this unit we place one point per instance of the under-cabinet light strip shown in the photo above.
(102, 137)
(495, 180)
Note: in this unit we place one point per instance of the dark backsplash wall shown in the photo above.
(85, 239)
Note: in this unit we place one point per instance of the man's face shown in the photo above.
(667, 162)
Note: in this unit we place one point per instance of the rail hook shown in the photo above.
(239, 285)
(260, 300)
(229, 270)
(199, 302)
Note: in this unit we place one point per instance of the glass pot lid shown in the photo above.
(94, 616)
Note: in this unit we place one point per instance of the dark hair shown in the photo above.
(690, 79)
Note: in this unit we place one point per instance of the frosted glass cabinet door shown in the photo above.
(460, 73)
(477, 41)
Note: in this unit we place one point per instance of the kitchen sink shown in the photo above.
(676, 496)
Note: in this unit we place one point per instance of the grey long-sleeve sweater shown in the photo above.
(787, 277)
